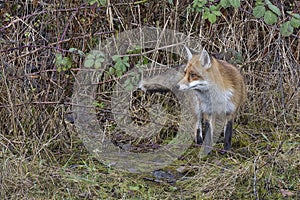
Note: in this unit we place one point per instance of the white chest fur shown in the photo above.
(216, 101)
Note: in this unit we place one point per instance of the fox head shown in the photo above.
(197, 73)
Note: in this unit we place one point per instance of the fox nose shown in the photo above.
(177, 86)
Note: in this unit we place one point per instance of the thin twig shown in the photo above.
(254, 179)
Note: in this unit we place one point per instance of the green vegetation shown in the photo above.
(43, 46)
(263, 9)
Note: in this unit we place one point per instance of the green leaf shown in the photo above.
(128, 84)
(199, 3)
(117, 66)
(98, 104)
(100, 53)
(295, 22)
(80, 53)
(145, 60)
(238, 58)
(225, 3)
(72, 50)
(120, 64)
(213, 8)
(115, 57)
(88, 63)
(102, 2)
(99, 2)
(286, 29)
(98, 64)
(91, 2)
(173, 188)
(119, 73)
(111, 71)
(134, 188)
(58, 58)
(217, 13)
(101, 59)
(122, 67)
(212, 18)
(126, 59)
(273, 8)
(235, 3)
(270, 18)
(259, 11)
(205, 15)
(90, 56)
(297, 16)
(258, 3)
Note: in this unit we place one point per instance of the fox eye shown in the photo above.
(193, 75)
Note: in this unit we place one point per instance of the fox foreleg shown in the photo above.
(228, 128)
(198, 118)
(198, 129)
(209, 121)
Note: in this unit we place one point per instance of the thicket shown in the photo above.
(43, 45)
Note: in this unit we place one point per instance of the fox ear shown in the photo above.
(205, 59)
(189, 53)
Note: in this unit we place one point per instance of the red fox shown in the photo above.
(220, 88)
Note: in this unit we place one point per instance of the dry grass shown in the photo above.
(42, 156)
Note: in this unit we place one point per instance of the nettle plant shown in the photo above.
(263, 9)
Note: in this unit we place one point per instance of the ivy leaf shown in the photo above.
(270, 18)
(259, 11)
(286, 29)
(235, 3)
(273, 8)
(295, 22)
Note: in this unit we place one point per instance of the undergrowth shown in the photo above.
(42, 155)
